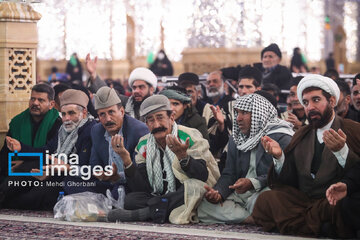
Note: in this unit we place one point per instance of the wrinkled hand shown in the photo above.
(242, 185)
(219, 117)
(117, 143)
(271, 146)
(13, 144)
(177, 147)
(335, 141)
(336, 192)
(47, 169)
(212, 195)
(91, 65)
(294, 120)
(112, 178)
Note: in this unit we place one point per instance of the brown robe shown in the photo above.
(297, 204)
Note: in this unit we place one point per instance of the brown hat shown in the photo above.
(106, 97)
(72, 96)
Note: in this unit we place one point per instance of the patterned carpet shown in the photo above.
(24, 224)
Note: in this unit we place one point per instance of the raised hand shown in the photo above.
(177, 147)
(242, 185)
(335, 141)
(212, 195)
(219, 117)
(117, 143)
(294, 120)
(271, 146)
(91, 65)
(336, 192)
(112, 178)
(13, 144)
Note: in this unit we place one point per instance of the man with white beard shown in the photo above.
(73, 137)
(220, 125)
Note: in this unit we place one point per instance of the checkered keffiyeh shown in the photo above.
(263, 120)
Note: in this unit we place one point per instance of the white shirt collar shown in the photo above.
(320, 131)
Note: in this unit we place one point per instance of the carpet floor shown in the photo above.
(24, 224)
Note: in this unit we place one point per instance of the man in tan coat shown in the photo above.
(173, 162)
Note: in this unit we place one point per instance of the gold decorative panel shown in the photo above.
(21, 63)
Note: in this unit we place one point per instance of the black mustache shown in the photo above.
(35, 107)
(159, 129)
(314, 113)
(109, 124)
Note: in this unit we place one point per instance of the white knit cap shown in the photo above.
(315, 80)
(144, 74)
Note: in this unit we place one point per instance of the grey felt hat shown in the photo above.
(106, 97)
(72, 96)
(154, 103)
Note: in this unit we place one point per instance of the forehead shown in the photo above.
(269, 54)
(139, 83)
(313, 93)
(246, 81)
(293, 88)
(355, 88)
(69, 107)
(155, 114)
(39, 94)
(174, 101)
(113, 107)
(213, 76)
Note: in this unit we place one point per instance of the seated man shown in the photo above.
(272, 71)
(35, 126)
(168, 158)
(190, 81)
(185, 113)
(347, 194)
(296, 115)
(73, 137)
(113, 121)
(316, 157)
(247, 162)
(249, 80)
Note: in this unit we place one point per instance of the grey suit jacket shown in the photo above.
(237, 164)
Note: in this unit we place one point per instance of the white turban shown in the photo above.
(143, 74)
(315, 80)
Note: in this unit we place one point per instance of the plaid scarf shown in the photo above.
(263, 120)
(153, 165)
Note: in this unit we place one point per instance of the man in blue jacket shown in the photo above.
(113, 121)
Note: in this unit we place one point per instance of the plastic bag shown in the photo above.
(119, 203)
(82, 207)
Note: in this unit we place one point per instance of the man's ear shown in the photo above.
(152, 90)
(332, 101)
(52, 104)
(348, 99)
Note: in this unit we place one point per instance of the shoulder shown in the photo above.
(142, 142)
(193, 134)
(97, 129)
(132, 123)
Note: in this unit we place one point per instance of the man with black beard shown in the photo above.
(317, 157)
(143, 83)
